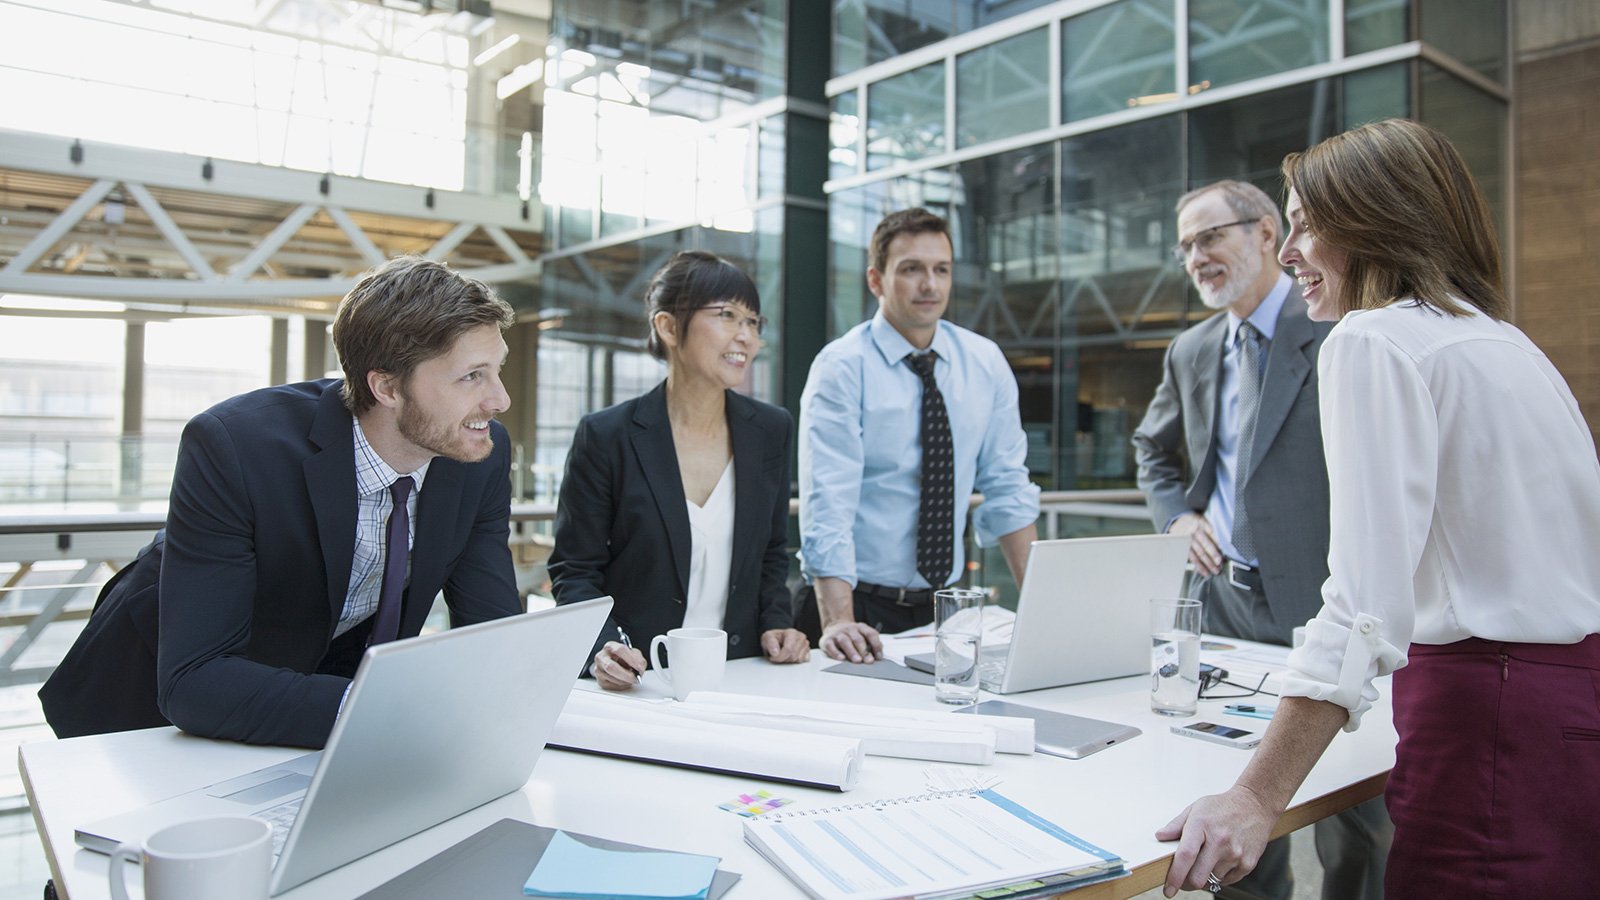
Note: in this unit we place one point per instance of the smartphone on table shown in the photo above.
(1219, 734)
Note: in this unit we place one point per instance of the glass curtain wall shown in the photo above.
(1062, 226)
(661, 133)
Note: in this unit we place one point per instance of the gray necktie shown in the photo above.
(1249, 344)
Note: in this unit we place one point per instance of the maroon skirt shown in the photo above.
(1496, 785)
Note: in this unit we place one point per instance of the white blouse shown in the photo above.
(1464, 498)
(710, 555)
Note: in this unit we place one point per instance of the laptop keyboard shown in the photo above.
(281, 818)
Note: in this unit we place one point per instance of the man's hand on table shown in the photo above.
(785, 645)
(853, 641)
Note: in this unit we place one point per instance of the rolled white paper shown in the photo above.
(621, 727)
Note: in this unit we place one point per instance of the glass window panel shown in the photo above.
(1000, 89)
(1117, 56)
(1247, 138)
(1120, 298)
(871, 31)
(905, 117)
(1374, 94)
(1476, 123)
(1236, 40)
(669, 196)
(770, 162)
(1371, 24)
(844, 129)
(849, 36)
(1007, 275)
(1472, 31)
(987, 12)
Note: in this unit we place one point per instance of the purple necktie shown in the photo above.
(386, 621)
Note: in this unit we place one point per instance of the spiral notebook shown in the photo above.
(939, 845)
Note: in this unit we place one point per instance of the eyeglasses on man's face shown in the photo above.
(732, 318)
(1205, 241)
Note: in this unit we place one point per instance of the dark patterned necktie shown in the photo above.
(1249, 341)
(936, 513)
(386, 621)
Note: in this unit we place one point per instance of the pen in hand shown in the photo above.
(638, 676)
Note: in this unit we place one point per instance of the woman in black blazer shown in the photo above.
(676, 504)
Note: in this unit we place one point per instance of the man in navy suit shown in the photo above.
(247, 616)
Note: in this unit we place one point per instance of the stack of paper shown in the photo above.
(934, 845)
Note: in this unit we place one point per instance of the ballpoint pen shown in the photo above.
(1250, 710)
(638, 676)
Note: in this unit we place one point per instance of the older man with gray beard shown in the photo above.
(1230, 453)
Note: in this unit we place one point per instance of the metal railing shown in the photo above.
(52, 565)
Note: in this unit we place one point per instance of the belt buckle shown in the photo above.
(900, 600)
(1240, 567)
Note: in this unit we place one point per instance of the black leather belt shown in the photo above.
(897, 596)
(1241, 576)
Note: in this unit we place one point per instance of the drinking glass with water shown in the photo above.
(1175, 657)
(958, 631)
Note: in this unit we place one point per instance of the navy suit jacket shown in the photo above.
(251, 576)
(622, 526)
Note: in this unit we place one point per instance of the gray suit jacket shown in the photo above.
(1287, 490)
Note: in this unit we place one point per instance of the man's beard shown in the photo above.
(1240, 278)
(440, 440)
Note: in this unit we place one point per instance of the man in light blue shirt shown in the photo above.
(861, 449)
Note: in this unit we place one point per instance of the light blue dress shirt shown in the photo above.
(861, 452)
(1219, 511)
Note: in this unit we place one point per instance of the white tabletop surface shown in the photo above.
(1116, 798)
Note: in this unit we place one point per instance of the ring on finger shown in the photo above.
(1213, 883)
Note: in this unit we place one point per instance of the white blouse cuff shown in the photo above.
(1337, 664)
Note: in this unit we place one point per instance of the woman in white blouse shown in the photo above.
(676, 503)
(1465, 517)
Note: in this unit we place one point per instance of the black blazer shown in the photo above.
(622, 527)
(252, 576)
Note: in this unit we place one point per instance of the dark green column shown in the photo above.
(807, 58)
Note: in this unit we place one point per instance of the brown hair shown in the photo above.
(690, 281)
(1398, 199)
(403, 313)
(907, 221)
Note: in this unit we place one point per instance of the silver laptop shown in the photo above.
(432, 727)
(1083, 613)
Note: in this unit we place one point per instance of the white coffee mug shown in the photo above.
(224, 856)
(698, 658)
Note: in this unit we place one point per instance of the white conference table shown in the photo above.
(1116, 798)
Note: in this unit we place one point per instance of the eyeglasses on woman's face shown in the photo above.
(733, 318)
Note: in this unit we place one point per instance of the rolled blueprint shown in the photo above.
(632, 729)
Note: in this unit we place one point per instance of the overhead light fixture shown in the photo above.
(504, 45)
(115, 211)
(518, 78)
